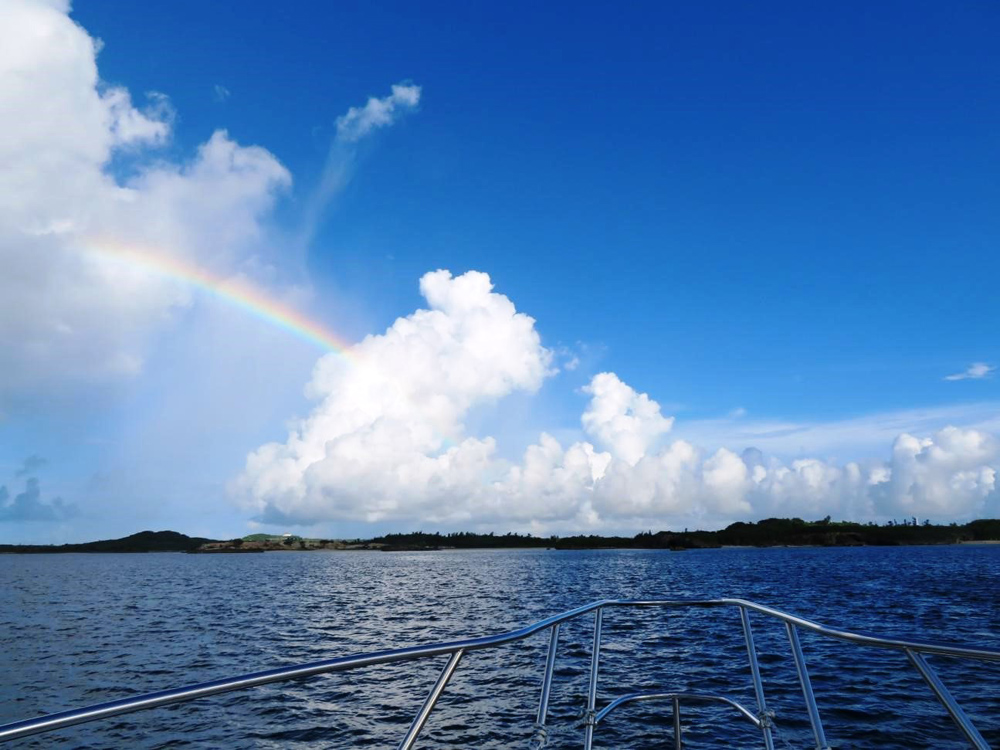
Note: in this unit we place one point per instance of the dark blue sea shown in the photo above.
(77, 629)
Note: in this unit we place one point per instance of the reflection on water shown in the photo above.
(79, 629)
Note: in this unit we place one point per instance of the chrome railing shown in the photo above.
(762, 719)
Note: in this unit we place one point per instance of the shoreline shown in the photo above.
(344, 550)
(771, 532)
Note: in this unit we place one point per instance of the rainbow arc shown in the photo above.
(236, 292)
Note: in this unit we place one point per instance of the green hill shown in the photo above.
(144, 541)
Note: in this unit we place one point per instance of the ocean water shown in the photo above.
(81, 629)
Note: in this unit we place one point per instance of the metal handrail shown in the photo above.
(677, 697)
(913, 650)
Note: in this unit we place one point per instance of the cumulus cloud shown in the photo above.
(377, 113)
(948, 474)
(622, 420)
(67, 313)
(952, 472)
(975, 371)
(386, 438)
(387, 441)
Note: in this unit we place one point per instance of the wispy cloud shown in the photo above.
(352, 127)
(975, 371)
(377, 113)
(852, 438)
(220, 93)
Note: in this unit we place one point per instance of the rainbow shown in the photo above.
(238, 293)
(235, 292)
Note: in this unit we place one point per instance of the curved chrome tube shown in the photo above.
(686, 697)
(939, 649)
(63, 719)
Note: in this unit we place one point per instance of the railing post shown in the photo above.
(543, 701)
(807, 691)
(758, 686)
(432, 698)
(944, 695)
(677, 723)
(595, 660)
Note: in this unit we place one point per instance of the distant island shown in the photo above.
(144, 541)
(771, 532)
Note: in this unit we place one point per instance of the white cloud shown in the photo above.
(386, 438)
(387, 441)
(130, 126)
(727, 480)
(662, 485)
(377, 113)
(66, 313)
(352, 127)
(809, 487)
(220, 93)
(622, 420)
(951, 473)
(852, 438)
(975, 371)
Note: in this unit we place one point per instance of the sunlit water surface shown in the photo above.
(81, 629)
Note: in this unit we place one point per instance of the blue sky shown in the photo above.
(775, 214)
(809, 190)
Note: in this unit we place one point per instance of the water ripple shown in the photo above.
(79, 629)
